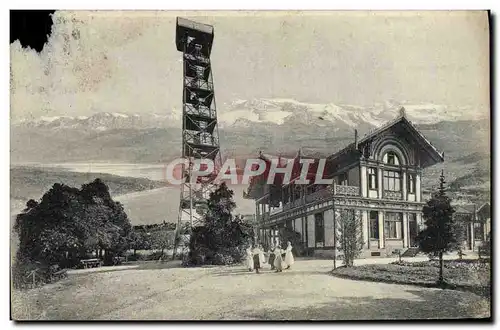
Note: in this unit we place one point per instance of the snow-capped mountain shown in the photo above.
(286, 111)
(103, 121)
(270, 112)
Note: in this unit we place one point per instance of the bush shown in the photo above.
(22, 270)
(236, 253)
(223, 259)
(485, 249)
(448, 264)
(186, 260)
(458, 274)
(134, 257)
(156, 255)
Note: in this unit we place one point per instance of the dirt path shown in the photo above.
(302, 293)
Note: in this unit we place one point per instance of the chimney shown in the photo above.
(402, 112)
(355, 139)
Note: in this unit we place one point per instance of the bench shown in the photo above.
(91, 263)
(62, 273)
(118, 260)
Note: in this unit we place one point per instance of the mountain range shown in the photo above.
(247, 126)
(244, 113)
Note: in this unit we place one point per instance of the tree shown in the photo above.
(162, 239)
(222, 235)
(68, 223)
(438, 236)
(350, 235)
(137, 241)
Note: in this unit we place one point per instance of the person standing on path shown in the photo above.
(272, 256)
(257, 253)
(262, 257)
(278, 260)
(289, 260)
(250, 264)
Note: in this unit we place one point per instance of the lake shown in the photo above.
(148, 171)
(150, 206)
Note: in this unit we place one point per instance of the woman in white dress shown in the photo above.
(289, 260)
(250, 259)
(278, 260)
(262, 257)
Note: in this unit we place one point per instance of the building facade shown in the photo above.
(477, 221)
(377, 179)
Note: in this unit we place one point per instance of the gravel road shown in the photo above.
(306, 292)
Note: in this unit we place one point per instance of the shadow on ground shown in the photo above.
(441, 304)
(131, 266)
(270, 272)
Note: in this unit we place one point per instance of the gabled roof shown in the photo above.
(483, 205)
(352, 147)
(469, 208)
(402, 118)
(464, 209)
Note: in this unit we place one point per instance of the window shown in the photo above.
(478, 231)
(374, 224)
(411, 183)
(393, 225)
(343, 179)
(391, 158)
(372, 178)
(310, 189)
(289, 224)
(319, 229)
(392, 181)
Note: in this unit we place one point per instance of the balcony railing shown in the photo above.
(323, 194)
(294, 204)
(346, 190)
(318, 195)
(276, 210)
(395, 195)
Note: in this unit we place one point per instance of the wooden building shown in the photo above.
(378, 178)
(477, 223)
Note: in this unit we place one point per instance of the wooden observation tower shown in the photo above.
(200, 137)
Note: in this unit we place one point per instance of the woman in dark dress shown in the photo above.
(271, 257)
(256, 259)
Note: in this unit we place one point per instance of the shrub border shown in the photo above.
(481, 290)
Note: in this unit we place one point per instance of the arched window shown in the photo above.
(391, 158)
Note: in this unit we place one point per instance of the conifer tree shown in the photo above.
(438, 236)
(351, 240)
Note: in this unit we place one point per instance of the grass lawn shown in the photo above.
(470, 275)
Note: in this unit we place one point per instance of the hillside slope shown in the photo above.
(31, 183)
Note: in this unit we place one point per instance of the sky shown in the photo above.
(127, 62)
